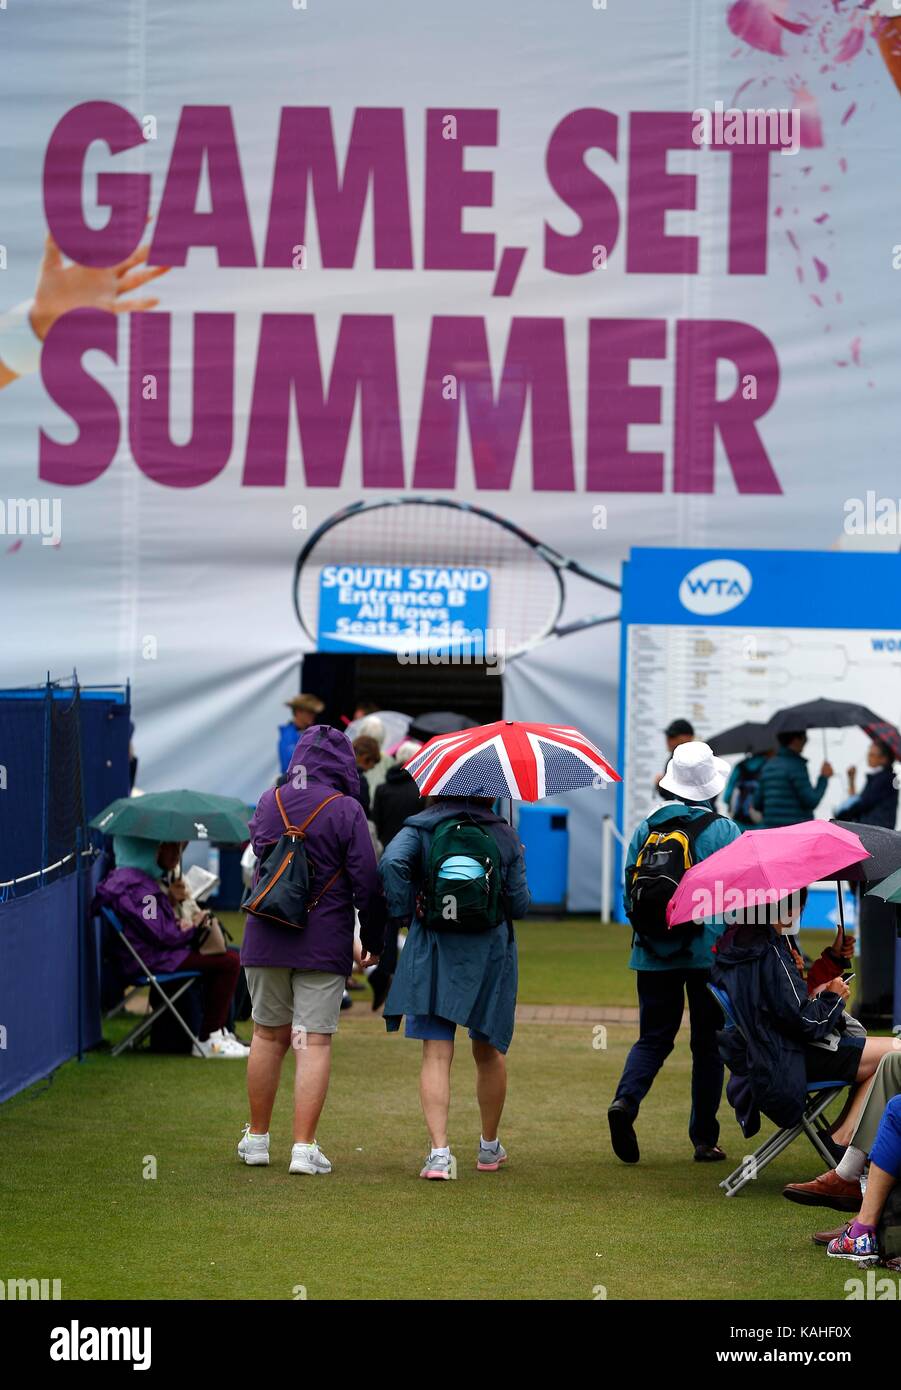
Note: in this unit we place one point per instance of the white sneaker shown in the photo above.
(223, 1044)
(309, 1158)
(254, 1148)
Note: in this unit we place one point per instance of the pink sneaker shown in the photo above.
(438, 1166)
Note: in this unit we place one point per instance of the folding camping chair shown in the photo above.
(812, 1122)
(156, 982)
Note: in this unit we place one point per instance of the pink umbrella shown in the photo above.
(763, 866)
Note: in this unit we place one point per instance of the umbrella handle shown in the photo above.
(825, 751)
(841, 908)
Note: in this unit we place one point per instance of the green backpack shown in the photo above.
(450, 903)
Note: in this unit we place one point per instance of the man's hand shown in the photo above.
(827, 770)
(177, 890)
(838, 986)
(63, 287)
(366, 959)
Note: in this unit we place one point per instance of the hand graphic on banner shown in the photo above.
(61, 288)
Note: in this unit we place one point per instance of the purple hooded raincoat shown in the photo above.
(322, 763)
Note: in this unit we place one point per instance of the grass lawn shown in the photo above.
(563, 1218)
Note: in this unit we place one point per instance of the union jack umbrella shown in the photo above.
(509, 759)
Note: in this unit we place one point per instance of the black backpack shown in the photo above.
(662, 861)
(281, 892)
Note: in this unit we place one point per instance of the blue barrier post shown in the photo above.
(79, 927)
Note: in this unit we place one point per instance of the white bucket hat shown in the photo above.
(694, 774)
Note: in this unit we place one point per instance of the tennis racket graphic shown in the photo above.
(528, 588)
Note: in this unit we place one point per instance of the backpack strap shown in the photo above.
(291, 829)
(692, 825)
(326, 886)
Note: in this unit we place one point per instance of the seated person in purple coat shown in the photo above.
(296, 976)
(146, 907)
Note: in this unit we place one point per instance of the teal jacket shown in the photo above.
(675, 954)
(785, 794)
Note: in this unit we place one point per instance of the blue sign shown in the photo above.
(764, 588)
(404, 608)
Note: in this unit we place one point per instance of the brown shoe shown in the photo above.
(824, 1237)
(828, 1190)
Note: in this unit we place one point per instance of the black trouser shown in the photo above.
(388, 959)
(661, 1003)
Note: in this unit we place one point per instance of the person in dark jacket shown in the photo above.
(445, 978)
(395, 800)
(669, 971)
(785, 795)
(877, 804)
(397, 797)
(741, 789)
(786, 1038)
(296, 978)
(367, 754)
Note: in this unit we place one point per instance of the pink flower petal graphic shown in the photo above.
(855, 351)
(11, 549)
(755, 22)
(792, 28)
(851, 44)
(821, 268)
(849, 113)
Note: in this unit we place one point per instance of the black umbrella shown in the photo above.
(441, 721)
(822, 714)
(883, 846)
(743, 738)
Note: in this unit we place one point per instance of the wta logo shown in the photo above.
(715, 586)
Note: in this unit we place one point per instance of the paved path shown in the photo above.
(573, 1013)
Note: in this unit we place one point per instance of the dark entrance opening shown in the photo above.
(342, 679)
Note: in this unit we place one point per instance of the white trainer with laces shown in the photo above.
(222, 1044)
(309, 1158)
(253, 1149)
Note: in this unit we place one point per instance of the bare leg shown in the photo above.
(879, 1185)
(264, 1065)
(491, 1086)
(434, 1088)
(311, 1078)
(874, 1049)
(847, 1121)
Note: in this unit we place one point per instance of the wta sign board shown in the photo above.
(403, 608)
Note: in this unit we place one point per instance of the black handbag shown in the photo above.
(281, 892)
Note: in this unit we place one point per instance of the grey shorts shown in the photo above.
(309, 999)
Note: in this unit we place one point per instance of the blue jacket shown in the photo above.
(469, 978)
(776, 1018)
(675, 954)
(877, 804)
(785, 795)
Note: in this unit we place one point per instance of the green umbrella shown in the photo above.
(180, 815)
(889, 889)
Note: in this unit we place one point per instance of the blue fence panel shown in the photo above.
(49, 996)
